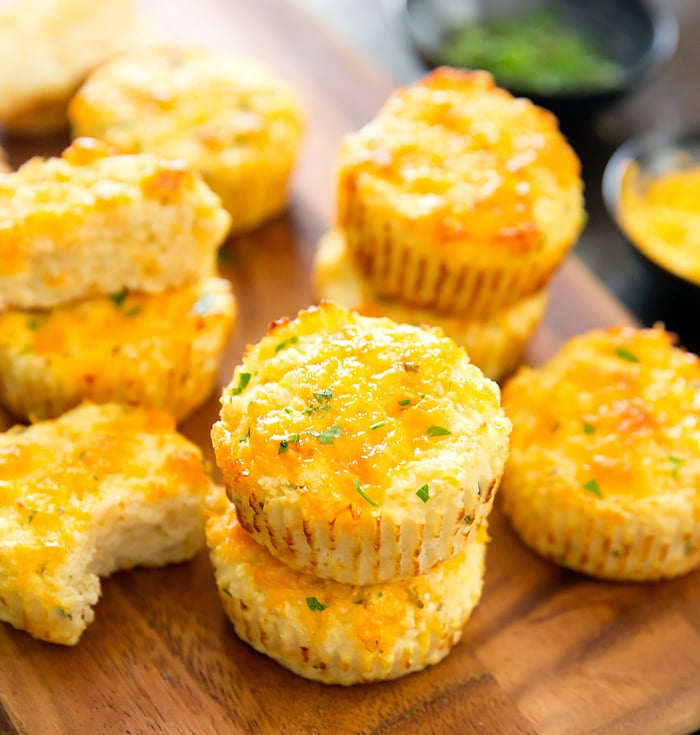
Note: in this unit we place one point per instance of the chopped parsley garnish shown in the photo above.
(132, 312)
(225, 591)
(327, 436)
(404, 402)
(284, 444)
(226, 257)
(378, 425)
(34, 323)
(592, 487)
(245, 437)
(676, 462)
(437, 431)
(287, 410)
(314, 605)
(410, 367)
(423, 493)
(588, 428)
(243, 380)
(118, 298)
(203, 304)
(286, 343)
(31, 516)
(624, 354)
(323, 401)
(364, 494)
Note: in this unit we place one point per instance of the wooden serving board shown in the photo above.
(547, 651)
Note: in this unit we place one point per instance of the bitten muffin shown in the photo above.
(457, 197)
(47, 48)
(494, 345)
(102, 488)
(227, 117)
(91, 223)
(160, 351)
(357, 449)
(604, 473)
(336, 633)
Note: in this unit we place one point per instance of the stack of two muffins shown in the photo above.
(361, 458)
(106, 287)
(455, 204)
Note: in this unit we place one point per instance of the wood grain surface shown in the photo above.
(547, 651)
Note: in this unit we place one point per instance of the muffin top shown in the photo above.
(345, 414)
(490, 168)
(185, 102)
(617, 414)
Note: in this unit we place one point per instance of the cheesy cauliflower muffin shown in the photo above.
(457, 197)
(494, 345)
(337, 633)
(358, 449)
(91, 223)
(102, 488)
(47, 48)
(604, 473)
(228, 117)
(160, 351)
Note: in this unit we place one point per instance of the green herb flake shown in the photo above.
(202, 306)
(423, 493)
(225, 591)
(288, 410)
(624, 354)
(588, 429)
(404, 402)
(378, 425)
(592, 487)
(676, 462)
(361, 492)
(132, 312)
(34, 323)
(243, 380)
(245, 437)
(31, 516)
(410, 367)
(314, 605)
(323, 401)
(284, 444)
(437, 431)
(287, 343)
(226, 257)
(327, 436)
(118, 298)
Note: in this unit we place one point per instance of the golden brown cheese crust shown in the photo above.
(359, 449)
(458, 197)
(100, 489)
(336, 633)
(155, 350)
(58, 42)
(228, 117)
(604, 474)
(92, 223)
(494, 345)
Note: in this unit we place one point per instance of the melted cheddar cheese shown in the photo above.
(615, 416)
(457, 155)
(157, 350)
(344, 413)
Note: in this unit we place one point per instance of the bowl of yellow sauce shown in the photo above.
(651, 188)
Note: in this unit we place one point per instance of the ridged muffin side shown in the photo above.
(604, 473)
(228, 117)
(357, 449)
(494, 344)
(457, 197)
(155, 350)
(336, 633)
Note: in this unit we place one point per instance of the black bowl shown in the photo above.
(656, 153)
(637, 35)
